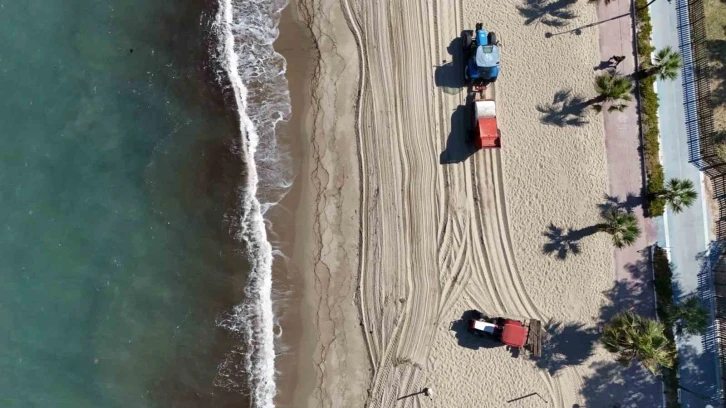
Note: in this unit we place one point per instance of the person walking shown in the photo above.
(616, 60)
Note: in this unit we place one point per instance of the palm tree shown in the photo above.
(689, 316)
(678, 193)
(611, 87)
(621, 225)
(634, 337)
(666, 66)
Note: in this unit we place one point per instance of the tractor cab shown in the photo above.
(481, 53)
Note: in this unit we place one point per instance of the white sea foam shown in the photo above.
(256, 74)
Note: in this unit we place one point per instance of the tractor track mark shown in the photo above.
(389, 301)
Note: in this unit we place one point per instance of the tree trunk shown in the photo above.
(644, 73)
(592, 101)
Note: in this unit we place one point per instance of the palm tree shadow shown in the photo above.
(565, 110)
(613, 203)
(578, 30)
(567, 344)
(610, 383)
(550, 13)
(561, 244)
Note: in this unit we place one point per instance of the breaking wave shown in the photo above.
(246, 30)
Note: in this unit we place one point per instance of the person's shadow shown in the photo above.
(450, 75)
(459, 145)
(603, 65)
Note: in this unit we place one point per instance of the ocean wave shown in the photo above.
(256, 75)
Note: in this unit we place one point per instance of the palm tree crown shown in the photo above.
(612, 87)
(623, 227)
(689, 316)
(667, 63)
(679, 194)
(634, 337)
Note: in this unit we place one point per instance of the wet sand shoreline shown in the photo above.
(295, 44)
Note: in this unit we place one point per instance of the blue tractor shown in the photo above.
(481, 56)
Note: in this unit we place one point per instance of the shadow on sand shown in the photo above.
(555, 13)
(578, 30)
(566, 109)
(562, 242)
(611, 384)
(459, 145)
(450, 75)
(567, 344)
(469, 340)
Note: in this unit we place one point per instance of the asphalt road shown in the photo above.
(685, 235)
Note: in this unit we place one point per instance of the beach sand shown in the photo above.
(393, 246)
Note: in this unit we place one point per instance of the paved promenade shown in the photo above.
(625, 167)
(686, 235)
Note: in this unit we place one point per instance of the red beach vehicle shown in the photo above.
(510, 332)
(485, 131)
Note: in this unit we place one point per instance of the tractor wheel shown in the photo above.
(492, 38)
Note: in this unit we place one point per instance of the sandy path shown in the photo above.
(432, 241)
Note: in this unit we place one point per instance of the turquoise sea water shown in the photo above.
(115, 179)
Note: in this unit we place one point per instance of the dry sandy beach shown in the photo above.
(395, 246)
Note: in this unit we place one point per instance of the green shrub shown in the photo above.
(663, 275)
(663, 283)
(641, 11)
(649, 110)
(650, 100)
(645, 29)
(656, 205)
(721, 151)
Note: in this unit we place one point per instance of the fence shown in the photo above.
(702, 142)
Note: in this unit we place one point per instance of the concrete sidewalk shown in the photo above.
(685, 235)
(625, 170)
(625, 165)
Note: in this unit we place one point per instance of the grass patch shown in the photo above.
(649, 108)
(664, 293)
(715, 12)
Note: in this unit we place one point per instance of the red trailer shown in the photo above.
(485, 131)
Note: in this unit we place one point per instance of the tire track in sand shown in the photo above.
(409, 281)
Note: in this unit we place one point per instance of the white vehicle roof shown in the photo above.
(486, 109)
(484, 326)
(487, 56)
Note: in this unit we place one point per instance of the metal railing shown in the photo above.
(702, 143)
